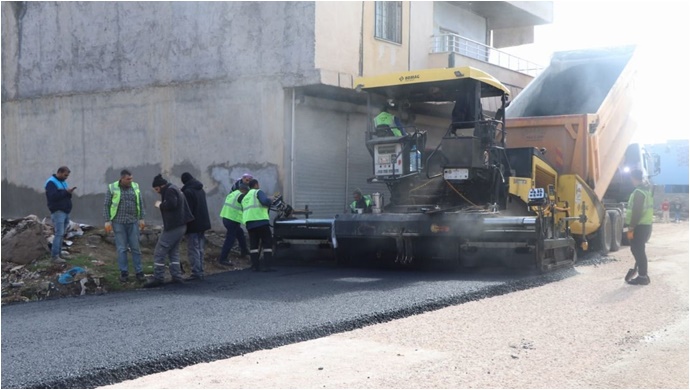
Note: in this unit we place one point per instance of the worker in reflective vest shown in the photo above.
(385, 118)
(124, 214)
(361, 202)
(255, 206)
(639, 216)
(231, 214)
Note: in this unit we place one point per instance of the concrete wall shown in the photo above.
(460, 21)
(66, 48)
(152, 87)
(338, 31)
(215, 131)
(421, 31)
(380, 56)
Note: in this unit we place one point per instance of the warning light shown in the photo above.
(439, 229)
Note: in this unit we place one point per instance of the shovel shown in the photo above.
(631, 273)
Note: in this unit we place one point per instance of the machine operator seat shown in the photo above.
(383, 131)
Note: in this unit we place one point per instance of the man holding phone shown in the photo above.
(59, 196)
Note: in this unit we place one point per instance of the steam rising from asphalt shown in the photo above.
(576, 82)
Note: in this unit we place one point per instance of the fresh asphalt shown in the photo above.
(91, 341)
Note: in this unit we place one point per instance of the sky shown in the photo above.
(660, 31)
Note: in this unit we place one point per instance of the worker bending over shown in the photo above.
(255, 206)
(362, 202)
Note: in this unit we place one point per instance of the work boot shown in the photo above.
(140, 277)
(153, 283)
(632, 272)
(255, 262)
(225, 263)
(268, 259)
(124, 277)
(640, 280)
(193, 277)
(58, 260)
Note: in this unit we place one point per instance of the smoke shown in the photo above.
(576, 82)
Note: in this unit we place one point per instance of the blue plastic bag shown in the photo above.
(68, 277)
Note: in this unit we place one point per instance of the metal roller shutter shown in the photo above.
(331, 160)
(320, 160)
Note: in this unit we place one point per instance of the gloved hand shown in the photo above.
(631, 234)
(141, 224)
(108, 227)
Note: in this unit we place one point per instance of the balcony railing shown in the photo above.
(453, 43)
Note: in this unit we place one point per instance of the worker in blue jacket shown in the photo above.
(59, 196)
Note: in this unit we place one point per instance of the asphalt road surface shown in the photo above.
(93, 341)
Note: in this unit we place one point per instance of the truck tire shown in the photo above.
(616, 230)
(602, 238)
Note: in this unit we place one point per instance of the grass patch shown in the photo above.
(109, 272)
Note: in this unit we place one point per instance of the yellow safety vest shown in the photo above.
(386, 118)
(232, 209)
(367, 201)
(115, 190)
(648, 210)
(252, 209)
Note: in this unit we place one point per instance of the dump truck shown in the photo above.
(522, 185)
(577, 111)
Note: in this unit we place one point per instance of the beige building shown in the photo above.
(220, 88)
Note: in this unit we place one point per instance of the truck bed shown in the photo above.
(578, 109)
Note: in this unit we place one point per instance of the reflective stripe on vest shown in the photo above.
(115, 190)
(232, 209)
(647, 210)
(252, 209)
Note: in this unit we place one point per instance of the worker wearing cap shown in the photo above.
(176, 214)
(255, 206)
(639, 216)
(244, 179)
(363, 202)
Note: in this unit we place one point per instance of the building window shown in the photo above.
(389, 21)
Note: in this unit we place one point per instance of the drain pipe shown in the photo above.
(347, 160)
(292, 150)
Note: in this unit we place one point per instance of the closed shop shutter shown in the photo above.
(331, 160)
(320, 160)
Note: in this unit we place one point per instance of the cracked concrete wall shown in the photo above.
(152, 87)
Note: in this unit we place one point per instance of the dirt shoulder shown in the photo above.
(588, 331)
(93, 251)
